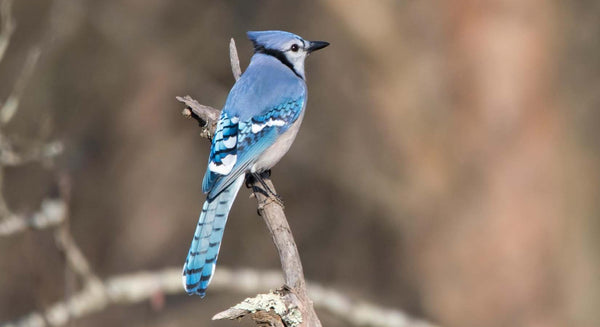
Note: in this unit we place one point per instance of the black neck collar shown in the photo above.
(279, 55)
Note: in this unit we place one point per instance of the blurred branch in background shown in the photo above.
(51, 211)
(142, 286)
(94, 295)
(9, 108)
(7, 25)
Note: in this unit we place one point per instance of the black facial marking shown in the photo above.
(277, 54)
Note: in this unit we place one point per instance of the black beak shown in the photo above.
(316, 45)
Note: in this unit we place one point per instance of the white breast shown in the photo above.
(275, 152)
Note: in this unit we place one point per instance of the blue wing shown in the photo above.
(262, 105)
(227, 160)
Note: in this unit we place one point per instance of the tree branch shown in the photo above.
(51, 213)
(8, 26)
(52, 210)
(234, 60)
(37, 152)
(207, 117)
(142, 286)
(10, 106)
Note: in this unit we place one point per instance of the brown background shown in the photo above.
(447, 165)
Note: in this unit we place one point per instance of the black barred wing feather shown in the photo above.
(223, 152)
(238, 144)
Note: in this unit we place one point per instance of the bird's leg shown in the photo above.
(261, 177)
(266, 190)
(250, 179)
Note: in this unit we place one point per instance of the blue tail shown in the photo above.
(202, 257)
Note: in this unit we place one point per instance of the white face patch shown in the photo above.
(299, 66)
(296, 58)
(271, 122)
(225, 168)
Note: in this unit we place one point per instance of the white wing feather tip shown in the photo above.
(225, 167)
(271, 122)
(230, 142)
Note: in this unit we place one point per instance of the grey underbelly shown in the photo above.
(275, 152)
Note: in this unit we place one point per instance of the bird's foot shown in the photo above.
(277, 199)
(260, 177)
(271, 196)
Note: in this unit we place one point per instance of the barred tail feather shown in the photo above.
(202, 256)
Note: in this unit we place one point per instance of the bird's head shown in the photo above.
(289, 48)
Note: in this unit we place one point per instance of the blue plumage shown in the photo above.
(257, 126)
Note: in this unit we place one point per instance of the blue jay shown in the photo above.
(256, 128)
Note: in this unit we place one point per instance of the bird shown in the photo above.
(258, 124)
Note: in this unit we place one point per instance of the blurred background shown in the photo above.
(447, 165)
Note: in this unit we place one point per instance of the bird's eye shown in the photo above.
(294, 47)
